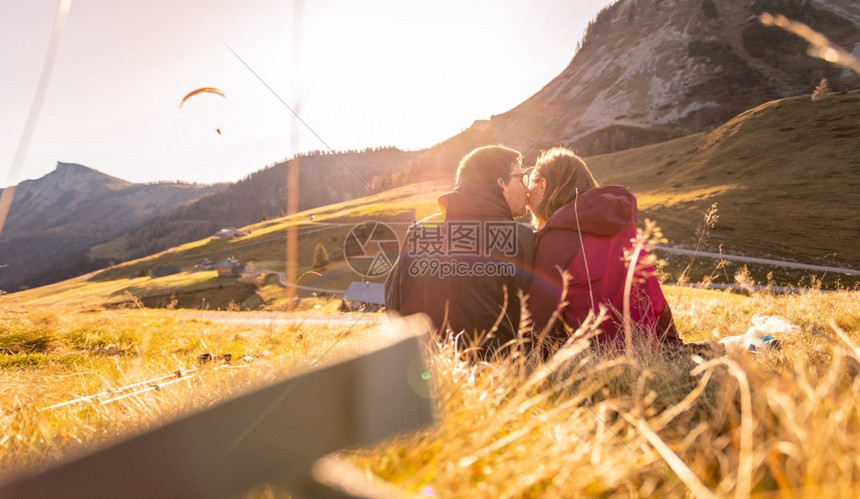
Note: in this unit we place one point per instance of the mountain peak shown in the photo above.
(650, 70)
(80, 173)
(72, 167)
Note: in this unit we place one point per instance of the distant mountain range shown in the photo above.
(646, 71)
(76, 219)
(55, 220)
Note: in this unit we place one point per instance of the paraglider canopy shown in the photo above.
(211, 90)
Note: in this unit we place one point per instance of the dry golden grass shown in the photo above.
(654, 424)
(650, 424)
(49, 357)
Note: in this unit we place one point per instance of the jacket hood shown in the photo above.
(602, 211)
(476, 202)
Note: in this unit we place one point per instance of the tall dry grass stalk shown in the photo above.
(703, 232)
(819, 45)
(638, 269)
(650, 423)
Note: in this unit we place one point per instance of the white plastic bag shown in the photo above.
(758, 337)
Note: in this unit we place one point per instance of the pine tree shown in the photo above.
(320, 257)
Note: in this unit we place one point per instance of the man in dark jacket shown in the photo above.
(467, 272)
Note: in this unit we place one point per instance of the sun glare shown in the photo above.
(380, 73)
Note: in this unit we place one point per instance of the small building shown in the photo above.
(164, 271)
(204, 264)
(230, 233)
(366, 296)
(229, 268)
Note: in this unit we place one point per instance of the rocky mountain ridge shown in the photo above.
(649, 70)
(54, 220)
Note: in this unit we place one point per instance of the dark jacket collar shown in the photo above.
(476, 202)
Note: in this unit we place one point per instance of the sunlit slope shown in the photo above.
(265, 246)
(785, 175)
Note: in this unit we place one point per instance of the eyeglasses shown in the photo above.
(524, 177)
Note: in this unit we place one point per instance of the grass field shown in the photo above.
(51, 356)
(650, 424)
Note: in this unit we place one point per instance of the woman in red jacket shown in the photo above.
(585, 229)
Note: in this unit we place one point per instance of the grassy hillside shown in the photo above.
(261, 196)
(785, 176)
(265, 246)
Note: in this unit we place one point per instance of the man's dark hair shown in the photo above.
(486, 164)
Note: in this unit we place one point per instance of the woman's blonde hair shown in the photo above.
(566, 176)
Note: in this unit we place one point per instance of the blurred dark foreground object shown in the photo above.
(274, 435)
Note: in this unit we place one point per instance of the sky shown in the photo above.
(360, 74)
